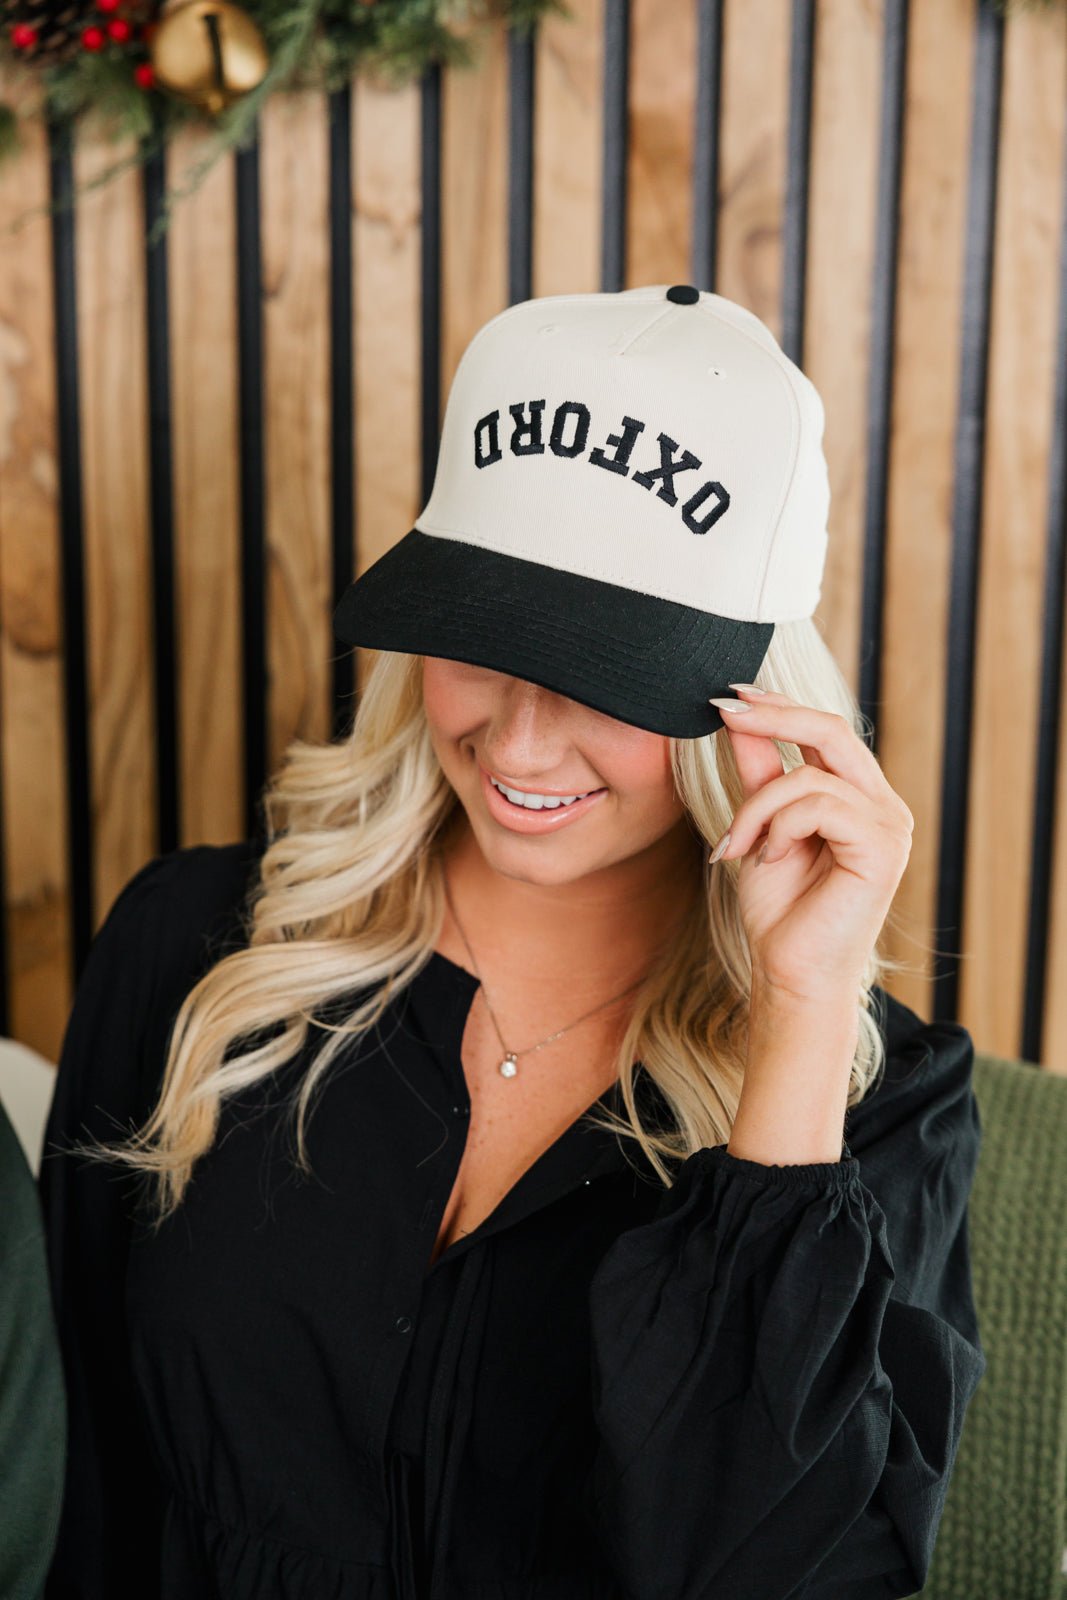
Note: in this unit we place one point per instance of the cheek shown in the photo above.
(641, 768)
(448, 708)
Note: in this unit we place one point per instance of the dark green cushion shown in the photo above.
(1003, 1532)
(33, 1417)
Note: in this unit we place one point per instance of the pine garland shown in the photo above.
(311, 44)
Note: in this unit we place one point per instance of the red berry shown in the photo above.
(118, 29)
(23, 36)
(92, 39)
(108, 5)
(143, 75)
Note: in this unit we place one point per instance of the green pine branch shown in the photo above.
(311, 44)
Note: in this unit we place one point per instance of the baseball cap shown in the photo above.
(630, 492)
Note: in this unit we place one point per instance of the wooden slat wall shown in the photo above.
(200, 443)
(926, 362)
(33, 769)
(205, 432)
(109, 274)
(1006, 857)
(474, 186)
(387, 258)
(296, 416)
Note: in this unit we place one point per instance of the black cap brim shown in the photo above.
(648, 662)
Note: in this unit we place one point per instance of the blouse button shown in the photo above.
(403, 1324)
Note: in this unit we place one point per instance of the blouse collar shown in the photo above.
(439, 998)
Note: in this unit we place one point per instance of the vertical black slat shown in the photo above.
(881, 357)
(253, 487)
(967, 505)
(521, 69)
(342, 390)
(1050, 710)
(706, 141)
(71, 535)
(5, 942)
(613, 201)
(430, 267)
(161, 503)
(798, 166)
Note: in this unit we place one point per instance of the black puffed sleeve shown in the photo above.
(110, 1523)
(783, 1356)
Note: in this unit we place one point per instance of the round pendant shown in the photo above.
(509, 1066)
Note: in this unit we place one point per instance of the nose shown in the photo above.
(527, 732)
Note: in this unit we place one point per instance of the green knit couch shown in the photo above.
(1003, 1533)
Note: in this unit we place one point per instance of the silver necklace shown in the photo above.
(509, 1066)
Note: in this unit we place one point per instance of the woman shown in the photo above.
(485, 1223)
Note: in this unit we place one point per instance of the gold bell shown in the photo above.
(208, 51)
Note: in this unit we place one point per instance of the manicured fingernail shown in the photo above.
(719, 848)
(728, 705)
(753, 688)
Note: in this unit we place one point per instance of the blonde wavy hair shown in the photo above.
(350, 896)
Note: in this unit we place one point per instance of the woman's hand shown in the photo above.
(836, 839)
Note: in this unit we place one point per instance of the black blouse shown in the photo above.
(748, 1387)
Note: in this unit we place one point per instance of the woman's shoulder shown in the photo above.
(925, 1085)
(177, 915)
(199, 883)
(913, 1045)
(179, 911)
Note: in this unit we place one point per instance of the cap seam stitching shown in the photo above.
(549, 626)
(636, 338)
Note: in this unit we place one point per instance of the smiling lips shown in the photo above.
(532, 800)
(551, 811)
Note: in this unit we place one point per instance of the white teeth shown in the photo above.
(537, 802)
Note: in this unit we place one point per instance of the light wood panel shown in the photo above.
(207, 503)
(386, 295)
(919, 513)
(755, 110)
(846, 106)
(1026, 280)
(33, 748)
(663, 36)
(296, 298)
(474, 184)
(568, 165)
(114, 463)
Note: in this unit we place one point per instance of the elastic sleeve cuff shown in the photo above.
(807, 1174)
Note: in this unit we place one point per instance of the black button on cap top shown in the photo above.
(683, 294)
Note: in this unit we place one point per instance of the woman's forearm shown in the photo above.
(793, 1098)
